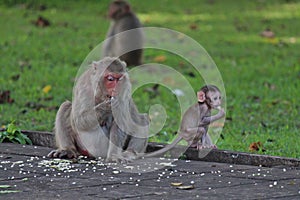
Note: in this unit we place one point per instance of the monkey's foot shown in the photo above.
(194, 145)
(116, 159)
(129, 155)
(125, 157)
(62, 154)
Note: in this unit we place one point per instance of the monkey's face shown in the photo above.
(117, 9)
(214, 99)
(112, 11)
(112, 82)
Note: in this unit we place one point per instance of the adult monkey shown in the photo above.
(102, 121)
(123, 19)
(196, 119)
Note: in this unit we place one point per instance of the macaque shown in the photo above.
(123, 19)
(102, 121)
(195, 121)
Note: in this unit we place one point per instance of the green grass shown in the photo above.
(261, 76)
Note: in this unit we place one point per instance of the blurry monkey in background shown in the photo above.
(123, 19)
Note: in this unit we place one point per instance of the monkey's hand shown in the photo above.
(63, 154)
(221, 111)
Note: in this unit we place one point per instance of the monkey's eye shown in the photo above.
(114, 78)
(215, 98)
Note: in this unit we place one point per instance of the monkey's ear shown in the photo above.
(201, 96)
(94, 64)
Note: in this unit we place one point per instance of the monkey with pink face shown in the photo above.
(102, 120)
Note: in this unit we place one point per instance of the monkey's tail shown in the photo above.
(163, 150)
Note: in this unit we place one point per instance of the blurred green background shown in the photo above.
(261, 74)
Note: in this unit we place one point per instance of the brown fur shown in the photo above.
(97, 125)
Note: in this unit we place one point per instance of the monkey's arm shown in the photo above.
(194, 130)
(208, 120)
(84, 115)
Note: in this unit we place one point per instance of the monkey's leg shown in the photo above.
(136, 146)
(95, 141)
(197, 133)
(207, 142)
(117, 141)
(64, 134)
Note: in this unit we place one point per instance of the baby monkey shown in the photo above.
(196, 119)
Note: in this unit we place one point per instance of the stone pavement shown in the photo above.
(25, 173)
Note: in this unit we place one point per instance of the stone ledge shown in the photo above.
(225, 156)
(215, 155)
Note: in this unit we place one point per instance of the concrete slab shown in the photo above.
(25, 173)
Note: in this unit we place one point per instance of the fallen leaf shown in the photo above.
(185, 187)
(5, 97)
(42, 22)
(160, 58)
(292, 182)
(193, 26)
(255, 146)
(47, 89)
(176, 184)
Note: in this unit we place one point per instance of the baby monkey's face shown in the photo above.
(215, 99)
